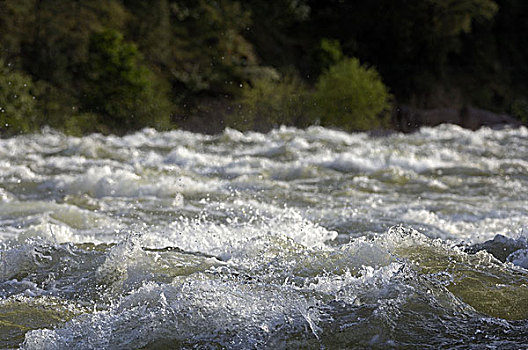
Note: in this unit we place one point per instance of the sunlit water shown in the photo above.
(292, 239)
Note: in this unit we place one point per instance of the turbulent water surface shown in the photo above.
(292, 239)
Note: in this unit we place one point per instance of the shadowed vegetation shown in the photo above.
(117, 66)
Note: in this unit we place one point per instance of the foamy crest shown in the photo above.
(202, 235)
(186, 312)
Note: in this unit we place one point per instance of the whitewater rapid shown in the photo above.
(310, 238)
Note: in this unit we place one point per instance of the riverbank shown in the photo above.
(404, 119)
(407, 119)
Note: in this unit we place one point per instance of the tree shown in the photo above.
(60, 35)
(48, 39)
(409, 41)
(118, 88)
(17, 102)
(274, 31)
(16, 19)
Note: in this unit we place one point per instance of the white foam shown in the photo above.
(519, 258)
(186, 158)
(108, 182)
(317, 133)
(358, 289)
(226, 241)
(189, 310)
(6, 196)
(468, 230)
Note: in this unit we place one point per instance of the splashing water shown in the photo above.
(293, 239)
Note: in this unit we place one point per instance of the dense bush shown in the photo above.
(271, 102)
(81, 123)
(351, 96)
(119, 89)
(17, 102)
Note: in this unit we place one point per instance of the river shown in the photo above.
(296, 238)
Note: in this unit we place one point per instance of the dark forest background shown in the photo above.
(115, 66)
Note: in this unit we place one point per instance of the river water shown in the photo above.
(293, 239)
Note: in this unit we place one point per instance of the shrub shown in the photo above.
(83, 123)
(271, 102)
(118, 88)
(17, 102)
(351, 96)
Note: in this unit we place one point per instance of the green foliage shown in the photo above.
(55, 105)
(351, 96)
(452, 17)
(411, 42)
(79, 124)
(57, 37)
(120, 89)
(197, 43)
(17, 103)
(16, 16)
(331, 52)
(328, 53)
(520, 110)
(274, 30)
(271, 102)
(119, 65)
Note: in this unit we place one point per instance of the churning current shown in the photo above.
(292, 239)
